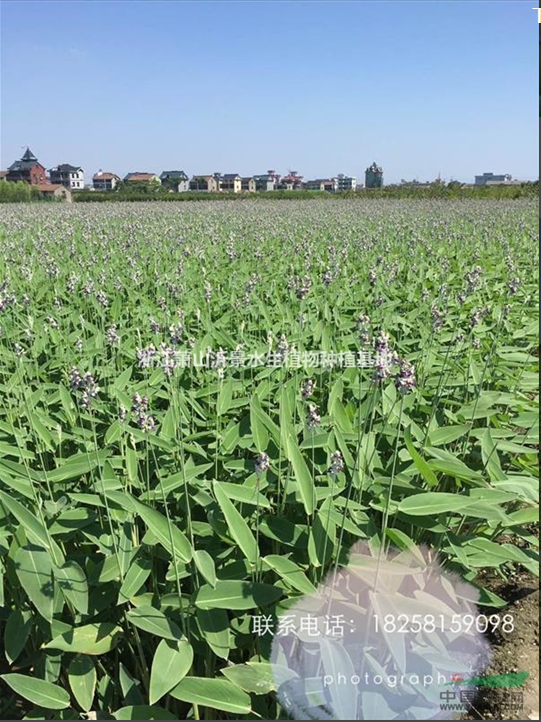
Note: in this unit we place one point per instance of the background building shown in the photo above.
(54, 190)
(205, 183)
(69, 176)
(27, 169)
(175, 180)
(492, 179)
(248, 184)
(373, 176)
(104, 181)
(345, 183)
(231, 183)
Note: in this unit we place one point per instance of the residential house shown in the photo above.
(330, 185)
(267, 181)
(139, 177)
(230, 183)
(492, 179)
(205, 183)
(248, 184)
(69, 176)
(291, 182)
(3, 175)
(27, 169)
(104, 181)
(175, 180)
(373, 176)
(345, 183)
(54, 190)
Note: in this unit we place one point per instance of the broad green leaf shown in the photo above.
(290, 572)
(403, 541)
(16, 633)
(205, 566)
(236, 595)
(153, 621)
(215, 628)
(446, 434)
(253, 677)
(34, 529)
(35, 572)
(238, 528)
(259, 430)
(82, 680)
(491, 460)
(72, 581)
(169, 535)
(171, 663)
(422, 466)
(433, 502)
(74, 467)
(219, 694)
(38, 691)
(143, 712)
(98, 638)
(136, 576)
(245, 494)
(302, 475)
(225, 397)
(322, 541)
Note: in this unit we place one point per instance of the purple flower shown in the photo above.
(405, 380)
(337, 464)
(313, 418)
(262, 463)
(307, 388)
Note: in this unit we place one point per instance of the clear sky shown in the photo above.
(421, 87)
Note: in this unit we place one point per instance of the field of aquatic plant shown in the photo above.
(203, 407)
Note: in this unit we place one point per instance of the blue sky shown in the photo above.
(421, 87)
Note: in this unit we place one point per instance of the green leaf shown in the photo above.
(205, 565)
(132, 465)
(430, 503)
(165, 532)
(447, 434)
(171, 663)
(253, 677)
(225, 397)
(219, 694)
(233, 594)
(98, 638)
(38, 691)
(143, 711)
(16, 633)
(290, 572)
(72, 581)
(245, 494)
(491, 460)
(135, 577)
(238, 528)
(40, 429)
(302, 475)
(215, 628)
(422, 466)
(403, 541)
(82, 680)
(74, 467)
(35, 572)
(153, 621)
(322, 541)
(34, 529)
(259, 431)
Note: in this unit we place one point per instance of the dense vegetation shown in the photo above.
(149, 509)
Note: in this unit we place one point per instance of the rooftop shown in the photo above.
(66, 168)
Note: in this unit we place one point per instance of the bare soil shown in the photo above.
(517, 651)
